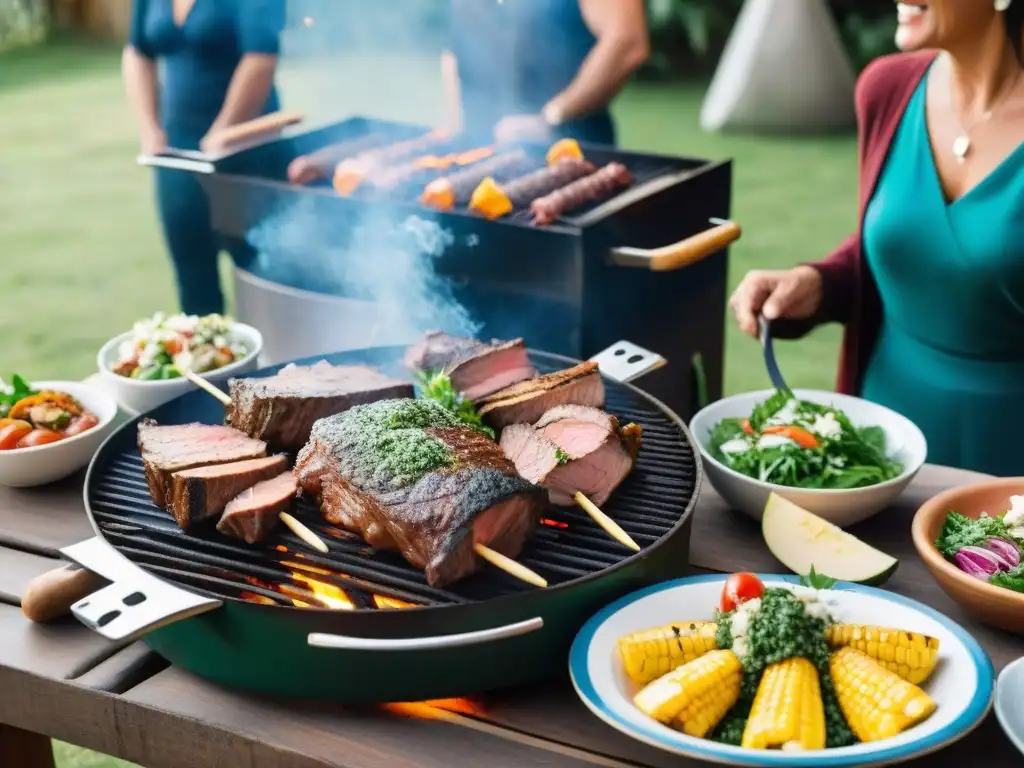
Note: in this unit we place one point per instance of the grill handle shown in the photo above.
(437, 642)
(259, 128)
(681, 254)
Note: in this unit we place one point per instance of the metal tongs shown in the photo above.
(769, 355)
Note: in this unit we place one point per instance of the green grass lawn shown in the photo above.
(82, 256)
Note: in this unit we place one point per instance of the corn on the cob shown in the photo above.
(877, 703)
(696, 695)
(652, 653)
(910, 655)
(788, 712)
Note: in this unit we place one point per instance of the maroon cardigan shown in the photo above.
(849, 293)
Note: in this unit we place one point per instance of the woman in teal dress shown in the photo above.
(192, 68)
(931, 287)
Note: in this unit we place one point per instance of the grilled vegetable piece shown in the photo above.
(696, 695)
(649, 654)
(876, 703)
(490, 199)
(788, 712)
(564, 149)
(910, 655)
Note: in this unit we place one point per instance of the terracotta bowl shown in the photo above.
(993, 605)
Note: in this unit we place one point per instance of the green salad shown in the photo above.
(800, 444)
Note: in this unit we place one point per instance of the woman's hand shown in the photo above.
(153, 141)
(791, 294)
(212, 143)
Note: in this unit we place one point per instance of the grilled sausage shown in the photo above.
(319, 164)
(589, 189)
(351, 172)
(457, 188)
(522, 191)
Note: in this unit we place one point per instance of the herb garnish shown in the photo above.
(436, 386)
(17, 390)
(561, 456)
(960, 531)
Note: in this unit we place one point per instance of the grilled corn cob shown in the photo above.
(910, 655)
(877, 703)
(788, 712)
(696, 695)
(652, 653)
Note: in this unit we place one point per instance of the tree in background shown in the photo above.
(23, 22)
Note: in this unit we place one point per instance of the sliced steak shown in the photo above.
(281, 409)
(485, 371)
(528, 401)
(253, 513)
(406, 474)
(437, 350)
(172, 448)
(573, 449)
(203, 492)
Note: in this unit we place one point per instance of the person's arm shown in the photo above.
(622, 46)
(260, 24)
(138, 70)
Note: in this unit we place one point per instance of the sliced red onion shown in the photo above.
(980, 566)
(1009, 552)
(1001, 562)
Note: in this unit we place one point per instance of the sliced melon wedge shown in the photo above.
(800, 540)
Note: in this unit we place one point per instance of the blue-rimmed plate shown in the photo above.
(961, 685)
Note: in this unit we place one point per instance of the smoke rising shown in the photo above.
(382, 257)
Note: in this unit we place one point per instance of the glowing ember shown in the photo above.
(437, 708)
(390, 603)
(328, 594)
(443, 162)
(553, 523)
(252, 597)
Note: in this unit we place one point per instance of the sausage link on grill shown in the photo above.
(351, 172)
(522, 191)
(457, 188)
(589, 189)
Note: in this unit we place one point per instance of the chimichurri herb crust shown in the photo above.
(803, 445)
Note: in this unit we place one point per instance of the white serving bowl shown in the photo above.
(42, 464)
(142, 396)
(905, 443)
(1010, 702)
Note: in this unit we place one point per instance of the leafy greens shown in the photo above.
(801, 444)
(17, 390)
(960, 531)
(436, 386)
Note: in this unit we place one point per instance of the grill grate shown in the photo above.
(648, 505)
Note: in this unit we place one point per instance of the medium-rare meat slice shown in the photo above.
(172, 448)
(573, 448)
(437, 350)
(203, 492)
(407, 474)
(483, 372)
(281, 408)
(253, 513)
(527, 401)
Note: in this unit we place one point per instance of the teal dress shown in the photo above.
(950, 355)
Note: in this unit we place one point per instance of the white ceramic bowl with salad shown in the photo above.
(839, 457)
(139, 367)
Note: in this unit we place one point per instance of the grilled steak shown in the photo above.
(593, 454)
(437, 350)
(169, 449)
(527, 401)
(483, 372)
(281, 408)
(202, 492)
(253, 513)
(406, 474)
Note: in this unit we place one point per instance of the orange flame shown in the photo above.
(553, 523)
(444, 162)
(252, 597)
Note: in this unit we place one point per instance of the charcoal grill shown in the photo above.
(572, 288)
(227, 611)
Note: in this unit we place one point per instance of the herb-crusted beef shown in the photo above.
(203, 492)
(406, 474)
(528, 401)
(252, 514)
(173, 448)
(437, 350)
(282, 408)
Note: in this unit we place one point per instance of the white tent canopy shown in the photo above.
(784, 69)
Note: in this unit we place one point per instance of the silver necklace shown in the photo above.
(963, 143)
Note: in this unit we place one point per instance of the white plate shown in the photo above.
(1010, 702)
(961, 684)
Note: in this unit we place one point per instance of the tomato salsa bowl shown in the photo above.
(38, 464)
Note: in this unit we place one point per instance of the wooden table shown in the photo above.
(63, 681)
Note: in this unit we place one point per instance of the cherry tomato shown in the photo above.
(739, 588)
(39, 437)
(80, 424)
(12, 432)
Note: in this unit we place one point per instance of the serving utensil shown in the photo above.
(769, 355)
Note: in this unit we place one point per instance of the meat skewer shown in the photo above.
(294, 525)
(457, 188)
(494, 201)
(589, 189)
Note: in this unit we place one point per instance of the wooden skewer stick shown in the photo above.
(509, 566)
(612, 528)
(299, 529)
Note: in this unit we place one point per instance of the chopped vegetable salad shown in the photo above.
(163, 344)
(987, 548)
(800, 444)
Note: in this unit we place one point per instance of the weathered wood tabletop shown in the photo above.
(60, 680)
